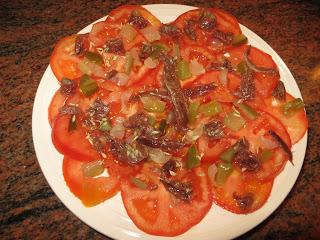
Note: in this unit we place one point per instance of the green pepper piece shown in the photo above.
(265, 155)
(193, 158)
(151, 120)
(138, 183)
(234, 121)
(72, 123)
(239, 39)
(290, 108)
(153, 104)
(211, 108)
(228, 155)
(242, 68)
(223, 172)
(128, 63)
(93, 169)
(193, 111)
(105, 125)
(183, 70)
(157, 48)
(94, 57)
(87, 85)
(248, 111)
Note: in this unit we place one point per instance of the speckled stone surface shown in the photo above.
(28, 30)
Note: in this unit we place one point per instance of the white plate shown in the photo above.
(110, 217)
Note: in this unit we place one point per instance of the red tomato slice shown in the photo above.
(199, 53)
(235, 185)
(211, 151)
(73, 143)
(157, 212)
(63, 62)
(296, 125)
(122, 14)
(265, 83)
(57, 102)
(90, 190)
(225, 23)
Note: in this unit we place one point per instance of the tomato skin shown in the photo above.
(151, 212)
(73, 143)
(223, 196)
(296, 125)
(56, 103)
(91, 191)
(62, 61)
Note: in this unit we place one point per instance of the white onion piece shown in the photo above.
(223, 77)
(267, 143)
(91, 68)
(196, 68)
(121, 79)
(117, 131)
(212, 170)
(151, 33)
(128, 32)
(150, 63)
(125, 96)
(114, 97)
(193, 135)
(135, 56)
(158, 156)
(119, 120)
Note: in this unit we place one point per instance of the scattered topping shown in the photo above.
(128, 33)
(234, 121)
(151, 33)
(72, 123)
(137, 20)
(146, 51)
(246, 160)
(248, 111)
(207, 21)
(87, 85)
(196, 68)
(105, 125)
(153, 104)
(80, 44)
(228, 155)
(245, 201)
(128, 63)
(167, 169)
(225, 38)
(247, 86)
(282, 144)
(223, 172)
(93, 169)
(98, 110)
(150, 63)
(265, 155)
(69, 109)
(183, 70)
(165, 144)
(193, 111)
(171, 31)
(214, 129)
(239, 39)
(115, 46)
(279, 92)
(199, 90)
(193, 158)
(117, 131)
(193, 135)
(211, 108)
(68, 87)
(94, 57)
(290, 108)
(189, 29)
(180, 190)
(139, 183)
(158, 156)
(121, 79)
(223, 77)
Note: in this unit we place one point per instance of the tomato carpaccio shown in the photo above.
(176, 116)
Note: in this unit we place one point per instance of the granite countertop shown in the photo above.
(28, 31)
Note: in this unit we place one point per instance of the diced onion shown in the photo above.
(135, 55)
(196, 68)
(93, 169)
(193, 135)
(117, 131)
(121, 79)
(223, 77)
(151, 33)
(90, 68)
(267, 143)
(150, 63)
(212, 170)
(128, 32)
(158, 156)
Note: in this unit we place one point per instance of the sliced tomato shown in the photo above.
(122, 14)
(72, 143)
(90, 190)
(220, 93)
(199, 53)
(236, 187)
(57, 102)
(157, 212)
(63, 62)
(103, 31)
(226, 23)
(212, 149)
(296, 125)
(265, 83)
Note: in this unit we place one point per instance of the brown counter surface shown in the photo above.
(28, 31)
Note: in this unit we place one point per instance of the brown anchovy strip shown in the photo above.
(115, 46)
(68, 87)
(137, 20)
(255, 68)
(171, 30)
(79, 44)
(180, 190)
(200, 90)
(247, 86)
(244, 202)
(282, 144)
(69, 109)
(214, 129)
(189, 29)
(172, 84)
(207, 21)
(223, 37)
(280, 91)
(165, 144)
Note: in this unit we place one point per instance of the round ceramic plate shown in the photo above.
(110, 217)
